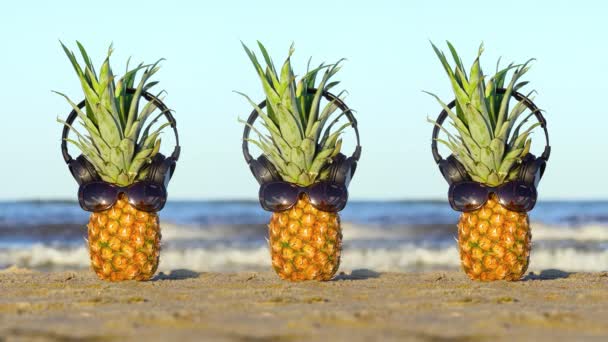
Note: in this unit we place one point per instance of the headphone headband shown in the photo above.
(519, 97)
(330, 97)
(149, 97)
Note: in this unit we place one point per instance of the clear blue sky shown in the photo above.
(389, 62)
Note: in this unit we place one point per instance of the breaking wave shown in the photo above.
(379, 248)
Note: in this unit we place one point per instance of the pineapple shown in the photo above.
(305, 243)
(494, 242)
(124, 243)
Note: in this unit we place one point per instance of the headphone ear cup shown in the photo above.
(161, 170)
(340, 170)
(353, 166)
(542, 164)
(167, 168)
(83, 171)
(531, 169)
(155, 172)
(264, 171)
(453, 171)
(332, 168)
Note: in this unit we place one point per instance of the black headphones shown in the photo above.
(532, 168)
(160, 169)
(342, 168)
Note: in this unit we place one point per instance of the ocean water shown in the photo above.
(231, 236)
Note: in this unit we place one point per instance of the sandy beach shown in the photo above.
(361, 305)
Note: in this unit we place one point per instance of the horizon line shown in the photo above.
(242, 199)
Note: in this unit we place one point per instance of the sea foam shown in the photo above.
(221, 249)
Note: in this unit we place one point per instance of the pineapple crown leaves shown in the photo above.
(488, 142)
(300, 142)
(118, 143)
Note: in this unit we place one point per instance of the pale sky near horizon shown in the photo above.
(389, 63)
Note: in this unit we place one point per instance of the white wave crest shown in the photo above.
(583, 233)
(225, 259)
(352, 232)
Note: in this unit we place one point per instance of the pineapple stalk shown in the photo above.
(119, 142)
(301, 141)
(494, 242)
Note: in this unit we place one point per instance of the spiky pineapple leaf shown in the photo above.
(114, 144)
(295, 118)
(488, 142)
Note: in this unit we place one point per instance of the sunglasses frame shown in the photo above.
(121, 190)
(301, 190)
(491, 190)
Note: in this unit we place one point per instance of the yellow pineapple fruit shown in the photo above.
(305, 242)
(494, 242)
(124, 242)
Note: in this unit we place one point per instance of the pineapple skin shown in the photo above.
(305, 243)
(494, 242)
(124, 243)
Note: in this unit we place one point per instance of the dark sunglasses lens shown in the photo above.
(517, 196)
(328, 196)
(146, 196)
(468, 196)
(97, 196)
(278, 196)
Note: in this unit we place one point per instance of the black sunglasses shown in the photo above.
(325, 196)
(515, 196)
(100, 196)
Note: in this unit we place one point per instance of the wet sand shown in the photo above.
(360, 305)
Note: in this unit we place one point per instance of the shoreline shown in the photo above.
(257, 306)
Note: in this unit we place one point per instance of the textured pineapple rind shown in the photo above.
(305, 243)
(124, 243)
(494, 243)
